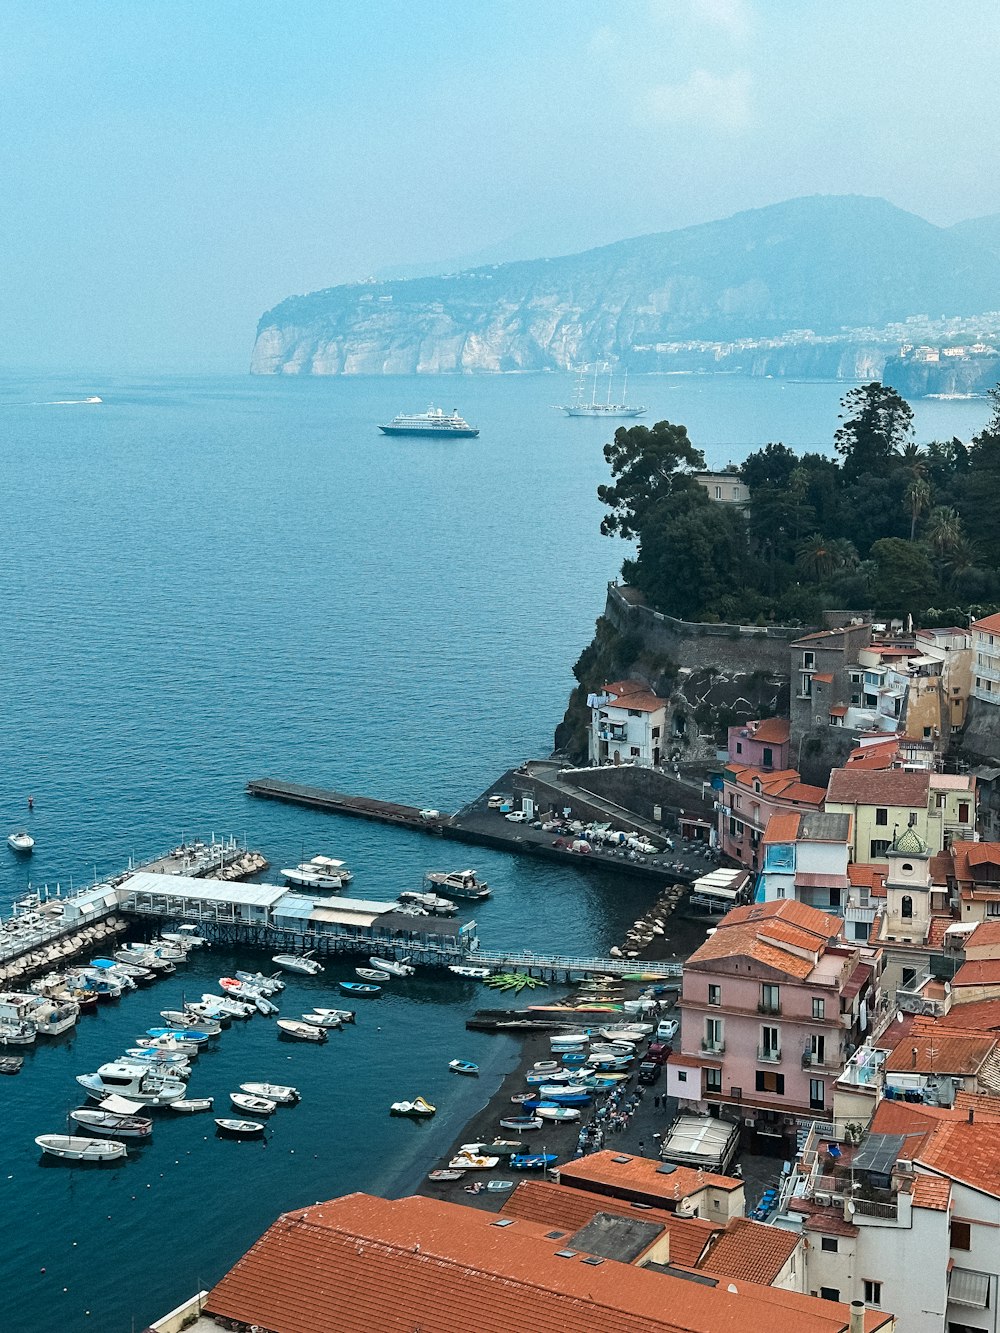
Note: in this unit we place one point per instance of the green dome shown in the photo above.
(909, 843)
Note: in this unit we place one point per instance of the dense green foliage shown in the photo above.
(889, 525)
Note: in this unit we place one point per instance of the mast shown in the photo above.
(593, 392)
(610, 373)
(625, 389)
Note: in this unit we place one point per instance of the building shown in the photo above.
(940, 806)
(773, 1005)
(762, 745)
(646, 1181)
(806, 857)
(986, 659)
(627, 723)
(820, 668)
(974, 879)
(724, 487)
(750, 798)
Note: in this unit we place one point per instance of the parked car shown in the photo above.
(667, 1029)
(649, 1071)
(517, 817)
(659, 1052)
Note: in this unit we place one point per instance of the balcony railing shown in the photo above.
(889, 1212)
(764, 1007)
(770, 1054)
(713, 1047)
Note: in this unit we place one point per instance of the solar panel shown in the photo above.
(879, 1153)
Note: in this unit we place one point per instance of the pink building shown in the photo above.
(773, 1005)
(762, 745)
(749, 798)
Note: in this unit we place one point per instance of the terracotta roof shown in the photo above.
(966, 1153)
(822, 678)
(981, 1103)
(633, 694)
(750, 1252)
(554, 1205)
(864, 876)
(978, 972)
(938, 928)
(982, 853)
(939, 1053)
(941, 868)
(782, 827)
(803, 794)
(838, 710)
(977, 1015)
(759, 930)
(988, 624)
(932, 1192)
(396, 1265)
(878, 787)
(873, 757)
(985, 936)
(632, 1174)
(821, 925)
(827, 1221)
(771, 730)
(952, 782)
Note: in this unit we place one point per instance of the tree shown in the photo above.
(877, 424)
(768, 467)
(917, 497)
(904, 577)
(813, 558)
(943, 531)
(692, 554)
(647, 466)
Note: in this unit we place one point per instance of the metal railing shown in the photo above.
(770, 1054)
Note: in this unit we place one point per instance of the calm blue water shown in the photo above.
(211, 580)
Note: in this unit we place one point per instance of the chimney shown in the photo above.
(857, 1317)
(972, 1115)
(913, 1058)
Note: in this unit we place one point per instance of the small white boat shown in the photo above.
(115, 1116)
(429, 902)
(463, 1067)
(72, 1148)
(51, 1019)
(169, 1046)
(274, 1092)
(372, 973)
(240, 1129)
(345, 1015)
(20, 842)
(557, 1113)
(266, 985)
(329, 1021)
(250, 1103)
(134, 1083)
(186, 1021)
(17, 1034)
(298, 962)
(301, 1031)
(394, 969)
(477, 973)
(190, 1105)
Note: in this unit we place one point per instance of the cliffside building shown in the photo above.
(627, 723)
(986, 664)
(750, 798)
(883, 802)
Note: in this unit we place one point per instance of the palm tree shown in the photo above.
(814, 557)
(916, 497)
(943, 531)
(844, 554)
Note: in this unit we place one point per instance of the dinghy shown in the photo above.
(474, 973)
(71, 1148)
(358, 988)
(345, 1015)
(274, 1092)
(444, 1177)
(251, 1104)
(327, 1021)
(557, 1113)
(539, 1161)
(191, 1105)
(463, 1067)
(522, 1123)
(239, 1129)
(300, 1031)
(372, 973)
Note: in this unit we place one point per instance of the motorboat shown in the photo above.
(290, 1027)
(17, 1034)
(222, 1007)
(321, 872)
(72, 1148)
(463, 1067)
(402, 968)
(52, 1019)
(298, 962)
(522, 1123)
(185, 937)
(114, 1116)
(188, 1022)
(191, 1105)
(20, 842)
(429, 902)
(280, 1093)
(11, 1064)
(345, 1015)
(558, 1113)
(419, 1109)
(372, 973)
(539, 1161)
(142, 955)
(444, 1177)
(270, 985)
(174, 1063)
(359, 988)
(187, 1036)
(459, 884)
(184, 1050)
(475, 973)
(142, 976)
(545, 1066)
(132, 1082)
(328, 1021)
(472, 1162)
(240, 1129)
(250, 1103)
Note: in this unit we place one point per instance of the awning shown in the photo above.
(969, 1288)
(120, 1105)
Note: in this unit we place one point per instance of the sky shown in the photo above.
(170, 169)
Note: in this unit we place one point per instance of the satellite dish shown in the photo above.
(850, 1207)
(947, 988)
(899, 1016)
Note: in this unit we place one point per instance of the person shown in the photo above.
(31, 802)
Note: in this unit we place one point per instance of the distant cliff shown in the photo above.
(825, 264)
(949, 375)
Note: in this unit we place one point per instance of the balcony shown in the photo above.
(769, 1054)
(763, 1008)
(812, 1060)
(713, 1047)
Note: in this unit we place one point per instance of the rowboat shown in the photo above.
(107, 1122)
(419, 1109)
(474, 973)
(558, 1113)
(300, 1031)
(240, 1129)
(358, 988)
(328, 1021)
(345, 1015)
(274, 1092)
(463, 1067)
(191, 1105)
(71, 1148)
(499, 1186)
(11, 1064)
(372, 973)
(252, 1104)
(522, 1123)
(533, 1161)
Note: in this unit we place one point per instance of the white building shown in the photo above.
(806, 857)
(986, 660)
(627, 723)
(726, 487)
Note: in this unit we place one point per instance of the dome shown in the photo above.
(909, 843)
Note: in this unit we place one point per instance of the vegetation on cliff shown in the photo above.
(890, 525)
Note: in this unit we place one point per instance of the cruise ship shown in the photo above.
(431, 422)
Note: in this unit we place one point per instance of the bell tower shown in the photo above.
(908, 888)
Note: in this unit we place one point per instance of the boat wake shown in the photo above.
(69, 402)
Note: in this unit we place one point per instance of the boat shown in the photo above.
(222, 1008)
(498, 1148)
(252, 1104)
(522, 1123)
(558, 1113)
(51, 1019)
(539, 1161)
(71, 1148)
(184, 1020)
(345, 1015)
(17, 1034)
(563, 1096)
(401, 969)
(499, 1186)
(274, 1092)
(459, 884)
(546, 1066)
(322, 872)
(430, 902)
(472, 1162)
(372, 974)
(444, 1177)
(270, 985)
(300, 1031)
(184, 1037)
(434, 422)
(518, 1097)
(11, 1064)
(169, 1046)
(114, 1116)
(186, 936)
(298, 962)
(135, 1084)
(20, 842)
(579, 408)
(191, 1105)
(239, 1129)
(329, 1021)
(420, 1108)
(166, 1061)
(475, 973)
(358, 988)
(463, 1067)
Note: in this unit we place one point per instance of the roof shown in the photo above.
(932, 1192)
(633, 694)
(864, 876)
(838, 710)
(186, 886)
(939, 1052)
(396, 1265)
(822, 678)
(988, 624)
(952, 782)
(782, 827)
(909, 843)
(771, 730)
(614, 1236)
(553, 1205)
(829, 1221)
(965, 1152)
(750, 1251)
(978, 972)
(821, 826)
(647, 1175)
(854, 786)
(760, 931)
(783, 784)
(880, 754)
(975, 1015)
(827, 634)
(986, 935)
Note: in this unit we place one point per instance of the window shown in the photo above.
(808, 661)
(862, 930)
(634, 752)
(881, 815)
(906, 907)
(817, 1094)
(927, 736)
(770, 1043)
(769, 757)
(829, 1243)
(739, 747)
(835, 899)
(682, 1076)
(713, 1034)
(830, 1293)
(878, 848)
(634, 712)
(819, 1008)
(805, 686)
(963, 812)
(713, 1080)
(961, 1235)
(718, 492)
(735, 829)
(873, 1292)
(909, 973)
(656, 733)
(715, 992)
(768, 1081)
(939, 801)
(993, 908)
(770, 1000)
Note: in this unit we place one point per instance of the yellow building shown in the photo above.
(941, 807)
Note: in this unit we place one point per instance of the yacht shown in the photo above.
(322, 872)
(579, 408)
(459, 884)
(433, 422)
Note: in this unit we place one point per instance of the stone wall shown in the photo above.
(981, 738)
(641, 789)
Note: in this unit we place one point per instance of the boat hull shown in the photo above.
(432, 432)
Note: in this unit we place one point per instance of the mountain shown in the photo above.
(983, 232)
(821, 263)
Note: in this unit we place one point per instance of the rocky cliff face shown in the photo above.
(822, 263)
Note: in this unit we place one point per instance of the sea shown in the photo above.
(208, 580)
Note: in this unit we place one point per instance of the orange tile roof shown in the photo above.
(838, 710)
(985, 936)
(642, 1174)
(553, 1205)
(771, 730)
(983, 853)
(823, 677)
(396, 1265)
(890, 786)
(633, 694)
(977, 972)
(758, 931)
(966, 1153)
(977, 1015)
(864, 876)
(932, 1192)
(782, 827)
(981, 1103)
(821, 925)
(988, 624)
(803, 794)
(828, 1221)
(938, 928)
(750, 1252)
(935, 1052)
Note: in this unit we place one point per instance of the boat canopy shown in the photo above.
(121, 1105)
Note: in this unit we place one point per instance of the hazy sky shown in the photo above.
(169, 169)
